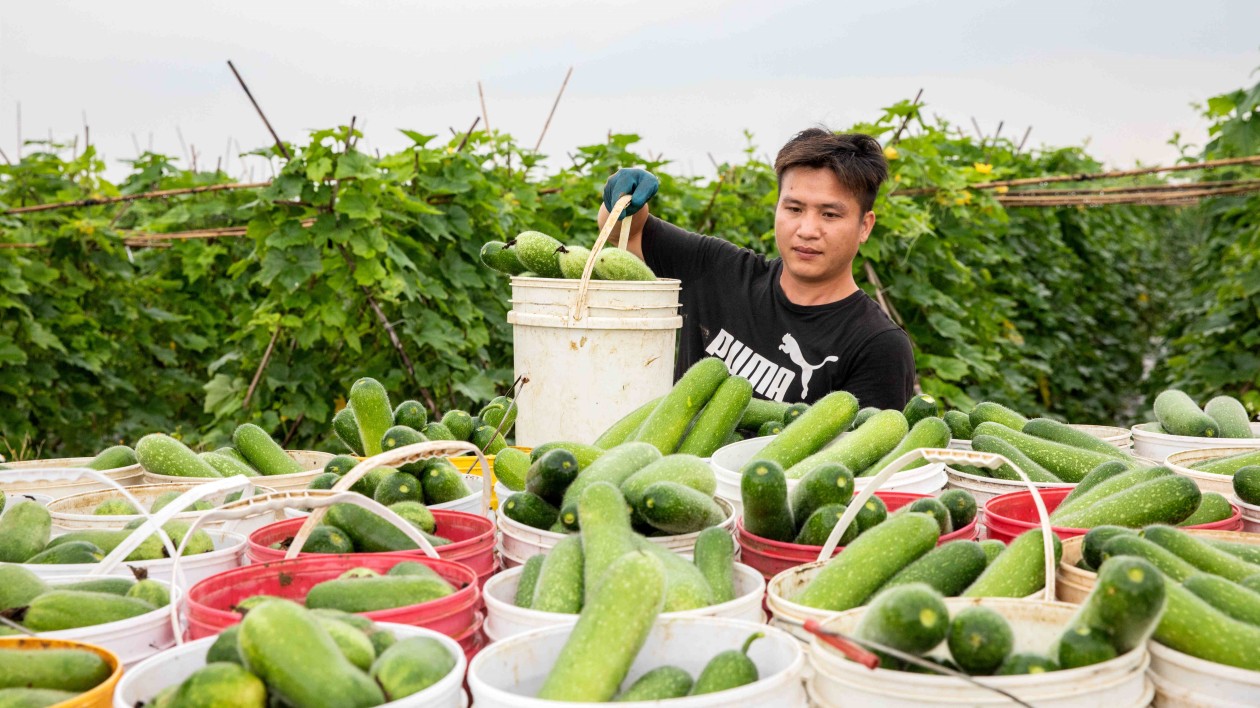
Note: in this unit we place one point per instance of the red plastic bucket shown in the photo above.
(773, 557)
(210, 601)
(1008, 515)
(471, 536)
(473, 639)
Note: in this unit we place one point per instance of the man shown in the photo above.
(797, 326)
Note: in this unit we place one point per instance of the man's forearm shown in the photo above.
(635, 239)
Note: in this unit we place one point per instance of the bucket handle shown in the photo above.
(153, 523)
(967, 457)
(278, 501)
(399, 456)
(73, 474)
(579, 308)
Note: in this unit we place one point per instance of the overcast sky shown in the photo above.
(687, 76)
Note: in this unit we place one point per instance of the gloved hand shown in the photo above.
(640, 184)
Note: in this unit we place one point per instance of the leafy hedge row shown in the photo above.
(1213, 343)
(1050, 310)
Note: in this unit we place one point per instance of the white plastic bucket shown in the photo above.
(228, 553)
(1120, 437)
(788, 584)
(508, 673)
(985, 488)
(1180, 462)
(586, 373)
(1074, 584)
(1182, 680)
(1118, 683)
(141, 683)
(1250, 515)
(729, 460)
(589, 352)
(21, 497)
(504, 619)
(125, 476)
(959, 444)
(75, 511)
(518, 542)
(313, 462)
(134, 639)
(1158, 446)
(501, 491)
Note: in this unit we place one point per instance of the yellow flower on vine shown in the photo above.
(891, 153)
(896, 178)
(1002, 190)
(964, 199)
(983, 168)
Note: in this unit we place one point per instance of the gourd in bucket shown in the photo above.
(785, 587)
(321, 500)
(406, 454)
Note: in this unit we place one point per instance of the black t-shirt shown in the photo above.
(734, 308)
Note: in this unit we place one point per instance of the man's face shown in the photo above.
(818, 225)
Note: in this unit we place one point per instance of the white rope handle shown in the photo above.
(579, 309)
(73, 474)
(318, 498)
(968, 457)
(400, 456)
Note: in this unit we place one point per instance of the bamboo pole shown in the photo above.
(1122, 190)
(915, 102)
(1131, 198)
(553, 110)
(261, 366)
(279, 143)
(1087, 176)
(485, 117)
(159, 194)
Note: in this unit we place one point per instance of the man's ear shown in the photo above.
(868, 223)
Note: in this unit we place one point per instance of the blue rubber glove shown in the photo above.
(641, 185)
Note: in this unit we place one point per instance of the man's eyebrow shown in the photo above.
(838, 206)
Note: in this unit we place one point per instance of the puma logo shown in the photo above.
(793, 350)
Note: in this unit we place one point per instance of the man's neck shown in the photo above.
(817, 293)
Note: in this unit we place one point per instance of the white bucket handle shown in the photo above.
(579, 309)
(153, 522)
(968, 457)
(72, 474)
(318, 498)
(399, 456)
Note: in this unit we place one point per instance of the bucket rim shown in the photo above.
(821, 651)
(255, 546)
(207, 614)
(781, 547)
(790, 673)
(612, 285)
(1141, 430)
(1163, 652)
(505, 576)
(1055, 496)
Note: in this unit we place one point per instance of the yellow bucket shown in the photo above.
(467, 464)
(101, 696)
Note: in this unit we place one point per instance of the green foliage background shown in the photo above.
(1054, 311)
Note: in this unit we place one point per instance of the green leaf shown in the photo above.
(357, 206)
(318, 169)
(354, 164)
(289, 268)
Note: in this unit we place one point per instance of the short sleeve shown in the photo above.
(882, 375)
(672, 252)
